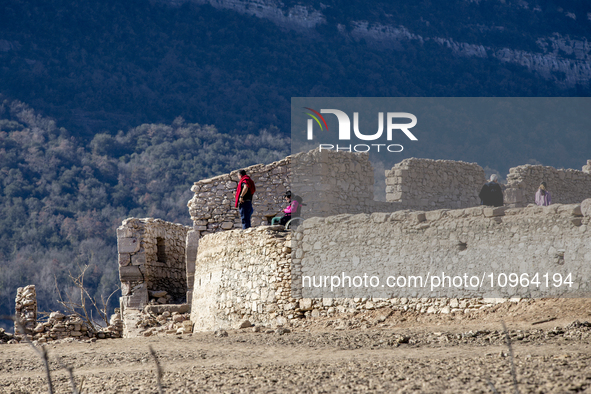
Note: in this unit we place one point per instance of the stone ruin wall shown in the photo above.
(152, 266)
(242, 275)
(26, 310)
(54, 326)
(246, 275)
(474, 240)
(212, 207)
(332, 182)
(323, 179)
(328, 182)
(434, 184)
(565, 186)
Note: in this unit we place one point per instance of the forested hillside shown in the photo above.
(61, 199)
(76, 163)
(99, 66)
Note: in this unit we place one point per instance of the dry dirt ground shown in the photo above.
(376, 351)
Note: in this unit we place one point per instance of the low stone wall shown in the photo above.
(434, 184)
(152, 262)
(242, 275)
(471, 241)
(56, 326)
(247, 275)
(565, 186)
(59, 326)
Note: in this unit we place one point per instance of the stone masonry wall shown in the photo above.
(474, 241)
(242, 275)
(26, 310)
(565, 186)
(434, 184)
(152, 262)
(333, 182)
(329, 183)
(212, 207)
(246, 275)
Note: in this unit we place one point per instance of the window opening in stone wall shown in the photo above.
(161, 253)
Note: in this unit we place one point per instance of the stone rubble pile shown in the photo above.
(165, 323)
(58, 326)
(6, 337)
(159, 297)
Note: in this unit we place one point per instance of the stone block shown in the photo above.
(227, 225)
(418, 217)
(125, 288)
(170, 308)
(138, 259)
(124, 259)
(434, 215)
(135, 301)
(576, 211)
(305, 304)
(245, 324)
(128, 245)
(124, 232)
(496, 211)
(130, 274)
(187, 326)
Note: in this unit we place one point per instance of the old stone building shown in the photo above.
(224, 275)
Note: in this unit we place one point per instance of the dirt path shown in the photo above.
(399, 354)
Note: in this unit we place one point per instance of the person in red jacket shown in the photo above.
(244, 193)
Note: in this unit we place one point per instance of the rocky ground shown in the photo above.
(376, 351)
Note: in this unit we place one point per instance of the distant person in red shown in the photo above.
(543, 198)
(491, 193)
(244, 193)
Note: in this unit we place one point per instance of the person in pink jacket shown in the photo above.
(543, 197)
(285, 216)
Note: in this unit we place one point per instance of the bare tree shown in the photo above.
(84, 307)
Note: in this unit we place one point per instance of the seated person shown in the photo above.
(285, 216)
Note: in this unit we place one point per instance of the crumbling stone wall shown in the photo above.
(329, 183)
(152, 262)
(434, 184)
(56, 326)
(26, 310)
(242, 275)
(469, 241)
(246, 275)
(566, 186)
(212, 207)
(59, 326)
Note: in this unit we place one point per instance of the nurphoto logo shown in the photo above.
(344, 134)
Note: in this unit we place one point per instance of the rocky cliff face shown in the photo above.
(562, 59)
(297, 17)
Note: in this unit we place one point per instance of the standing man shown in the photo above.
(491, 193)
(244, 193)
